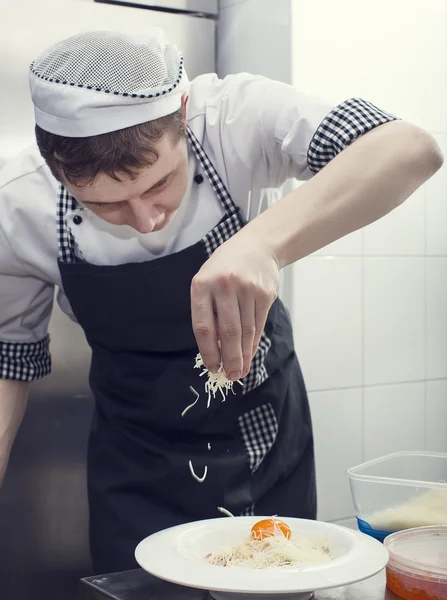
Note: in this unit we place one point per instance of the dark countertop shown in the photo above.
(139, 585)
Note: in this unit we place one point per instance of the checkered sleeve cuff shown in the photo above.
(25, 362)
(342, 126)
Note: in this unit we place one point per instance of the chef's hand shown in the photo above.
(230, 299)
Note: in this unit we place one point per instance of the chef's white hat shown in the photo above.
(102, 81)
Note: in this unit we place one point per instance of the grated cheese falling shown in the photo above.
(194, 403)
(196, 477)
(272, 552)
(217, 382)
(225, 511)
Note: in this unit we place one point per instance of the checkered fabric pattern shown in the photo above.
(342, 126)
(222, 232)
(259, 428)
(248, 512)
(258, 373)
(65, 239)
(25, 362)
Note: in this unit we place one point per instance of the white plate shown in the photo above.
(175, 555)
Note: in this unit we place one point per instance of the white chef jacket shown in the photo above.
(258, 133)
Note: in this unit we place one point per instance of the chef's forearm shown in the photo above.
(13, 400)
(363, 183)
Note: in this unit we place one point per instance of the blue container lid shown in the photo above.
(378, 534)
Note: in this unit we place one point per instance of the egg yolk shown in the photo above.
(270, 527)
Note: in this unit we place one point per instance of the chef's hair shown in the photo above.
(118, 154)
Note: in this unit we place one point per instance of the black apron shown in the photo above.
(257, 445)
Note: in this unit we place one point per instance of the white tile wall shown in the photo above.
(401, 233)
(370, 310)
(403, 266)
(436, 423)
(394, 419)
(395, 53)
(338, 418)
(394, 313)
(436, 206)
(436, 317)
(327, 302)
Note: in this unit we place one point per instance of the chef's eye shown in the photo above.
(159, 184)
(105, 204)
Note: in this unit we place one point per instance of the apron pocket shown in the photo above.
(259, 428)
(258, 373)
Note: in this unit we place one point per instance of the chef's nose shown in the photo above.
(143, 215)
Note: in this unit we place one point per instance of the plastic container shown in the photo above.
(417, 569)
(390, 483)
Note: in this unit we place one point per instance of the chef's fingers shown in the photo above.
(229, 331)
(248, 329)
(262, 308)
(204, 326)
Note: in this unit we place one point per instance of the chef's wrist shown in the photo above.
(273, 241)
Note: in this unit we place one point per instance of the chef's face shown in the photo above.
(149, 201)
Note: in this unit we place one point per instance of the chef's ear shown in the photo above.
(184, 103)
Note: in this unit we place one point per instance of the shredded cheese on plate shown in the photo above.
(272, 552)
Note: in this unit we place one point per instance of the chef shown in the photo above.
(149, 201)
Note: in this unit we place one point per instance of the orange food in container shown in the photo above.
(417, 569)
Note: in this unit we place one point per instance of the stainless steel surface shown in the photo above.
(43, 504)
(225, 3)
(254, 38)
(202, 6)
(138, 585)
